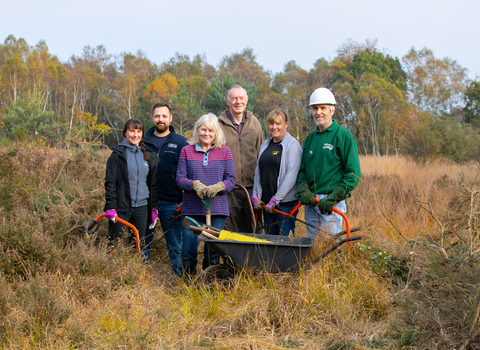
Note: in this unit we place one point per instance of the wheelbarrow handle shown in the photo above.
(347, 223)
(117, 219)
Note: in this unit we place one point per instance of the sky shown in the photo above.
(278, 31)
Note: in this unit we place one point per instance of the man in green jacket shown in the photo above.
(330, 167)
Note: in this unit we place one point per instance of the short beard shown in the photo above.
(161, 128)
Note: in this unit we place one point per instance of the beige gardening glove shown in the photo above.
(211, 191)
(198, 187)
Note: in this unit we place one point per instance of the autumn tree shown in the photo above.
(472, 104)
(181, 67)
(14, 69)
(370, 91)
(434, 85)
(162, 89)
(243, 67)
(134, 74)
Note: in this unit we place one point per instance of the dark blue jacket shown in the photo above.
(167, 189)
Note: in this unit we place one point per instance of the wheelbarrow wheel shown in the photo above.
(222, 273)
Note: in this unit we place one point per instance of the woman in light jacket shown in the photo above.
(276, 175)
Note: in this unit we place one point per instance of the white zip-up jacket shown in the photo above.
(289, 166)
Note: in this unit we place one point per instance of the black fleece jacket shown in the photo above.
(117, 187)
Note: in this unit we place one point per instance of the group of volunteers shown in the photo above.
(160, 176)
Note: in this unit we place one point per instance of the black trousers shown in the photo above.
(240, 219)
(138, 218)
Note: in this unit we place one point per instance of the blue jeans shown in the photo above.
(282, 228)
(173, 236)
(190, 245)
(330, 223)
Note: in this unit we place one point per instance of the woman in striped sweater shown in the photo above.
(205, 171)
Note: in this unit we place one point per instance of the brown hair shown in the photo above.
(136, 124)
(161, 104)
(277, 112)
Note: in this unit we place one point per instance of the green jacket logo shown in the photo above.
(327, 145)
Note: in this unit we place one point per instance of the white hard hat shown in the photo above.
(322, 96)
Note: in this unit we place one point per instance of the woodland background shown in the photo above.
(418, 105)
(412, 282)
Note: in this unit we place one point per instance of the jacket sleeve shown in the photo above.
(257, 186)
(182, 179)
(229, 178)
(152, 185)
(111, 174)
(259, 137)
(301, 177)
(351, 163)
(293, 157)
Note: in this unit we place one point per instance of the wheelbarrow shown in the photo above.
(269, 253)
(94, 225)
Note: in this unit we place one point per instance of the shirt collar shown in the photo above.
(330, 128)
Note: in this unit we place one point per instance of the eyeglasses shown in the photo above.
(241, 99)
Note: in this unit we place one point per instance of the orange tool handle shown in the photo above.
(347, 223)
(126, 223)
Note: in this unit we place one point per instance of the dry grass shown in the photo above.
(61, 290)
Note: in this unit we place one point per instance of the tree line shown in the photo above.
(420, 106)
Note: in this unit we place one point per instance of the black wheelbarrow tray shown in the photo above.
(278, 256)
(269, 253)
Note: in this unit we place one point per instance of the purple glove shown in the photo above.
(272, 203)
(254, 199)
(154, 219)
(110, 215)
(256, 202)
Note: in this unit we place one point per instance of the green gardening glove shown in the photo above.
(325, 205)
(305, 196)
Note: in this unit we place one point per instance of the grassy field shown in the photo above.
(411, 283)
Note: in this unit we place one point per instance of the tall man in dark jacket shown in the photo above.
(244, 136)
(163, 140)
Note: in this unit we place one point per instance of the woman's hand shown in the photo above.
(111, 214)
(257, 203)
(198, 187)
(272, 203)
(211, 191)
(154, 219)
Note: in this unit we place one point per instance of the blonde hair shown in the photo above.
(211, 121)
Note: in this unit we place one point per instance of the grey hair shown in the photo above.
(211, 120)
(332, 107)
(236, 87)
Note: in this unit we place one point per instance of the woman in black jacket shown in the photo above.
(130, 184)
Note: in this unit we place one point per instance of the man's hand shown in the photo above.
(305, 196)
(198, 187)
(211, 191)
(325, 205)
